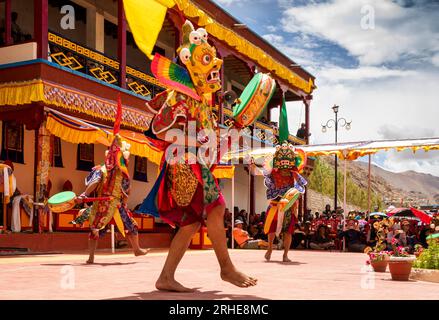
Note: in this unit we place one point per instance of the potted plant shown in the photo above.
(378, 257)
(400, 263)
(379, 260)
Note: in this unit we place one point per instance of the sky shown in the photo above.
(377, 59)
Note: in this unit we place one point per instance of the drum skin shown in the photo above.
(61, 202)
(254, 99)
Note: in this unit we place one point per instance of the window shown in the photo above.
(12, 142)
(140, 169)
(57, 154)
(85, 157)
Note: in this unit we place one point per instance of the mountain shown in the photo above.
(422, 187)
(387, 188)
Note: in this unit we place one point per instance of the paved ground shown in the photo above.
(311, 275)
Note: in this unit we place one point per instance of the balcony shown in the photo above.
(79, 58)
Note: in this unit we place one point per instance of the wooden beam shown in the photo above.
(8, 23)
(41, 27)
(121, 43)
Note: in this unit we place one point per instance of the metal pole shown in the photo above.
(112, 239)
(336, 163)
(344, 188)
(233, 210)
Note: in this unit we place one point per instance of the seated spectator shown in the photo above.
(327, 212)
(404, 238)
(352, 235)
(308, 234)
(243, 239)
(298, 236)
(320, 240)
(260, 233)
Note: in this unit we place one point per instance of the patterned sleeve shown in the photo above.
(95, 176)
(173, 111)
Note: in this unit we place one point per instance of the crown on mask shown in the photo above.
(284, 157)
(191, 39)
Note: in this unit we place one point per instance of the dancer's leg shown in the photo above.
(215, 228)
(287, 244)
(92, 245)
(179, 245)
(134, 240)
(271, 237)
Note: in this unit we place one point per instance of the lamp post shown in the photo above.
(342, 122)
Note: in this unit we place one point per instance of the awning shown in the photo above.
(52, 94)
(76, 130)
(348, 150)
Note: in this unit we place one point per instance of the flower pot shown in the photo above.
(379, 266)
(401, 268)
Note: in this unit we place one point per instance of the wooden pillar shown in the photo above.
(368, 183)
(121, 44)
(41, 27)
(35, 212)
(8, 23)
(307, 103)
(95, 29)
(252, 193)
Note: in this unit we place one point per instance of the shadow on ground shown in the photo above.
(197, 295)
(290, 263)
(102, 264)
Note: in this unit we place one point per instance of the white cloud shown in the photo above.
(399, 33)
(435, 60)
(225, 2)
(338, 74)
(421, 161)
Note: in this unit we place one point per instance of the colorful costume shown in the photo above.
(186, 189)
(111, 179)
(284, 186)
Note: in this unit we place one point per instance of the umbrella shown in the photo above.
(410, 213)
(377, 215)
(433, 236)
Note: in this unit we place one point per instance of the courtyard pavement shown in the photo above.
(310, 275)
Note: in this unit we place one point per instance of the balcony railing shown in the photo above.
(74, 56)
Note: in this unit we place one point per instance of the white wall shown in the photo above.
(242, 191)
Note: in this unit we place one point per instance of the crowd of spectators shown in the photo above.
(327, 230)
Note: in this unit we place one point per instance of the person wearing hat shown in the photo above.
(404, 238)
(244, 240)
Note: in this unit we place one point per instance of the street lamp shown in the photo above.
(342, 122)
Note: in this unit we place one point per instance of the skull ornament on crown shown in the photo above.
(200, 59)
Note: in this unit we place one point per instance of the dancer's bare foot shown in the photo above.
(167, 284)
(237, 278)
(141, 252)
(285, 259)
(268, 255)
(90, 260)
